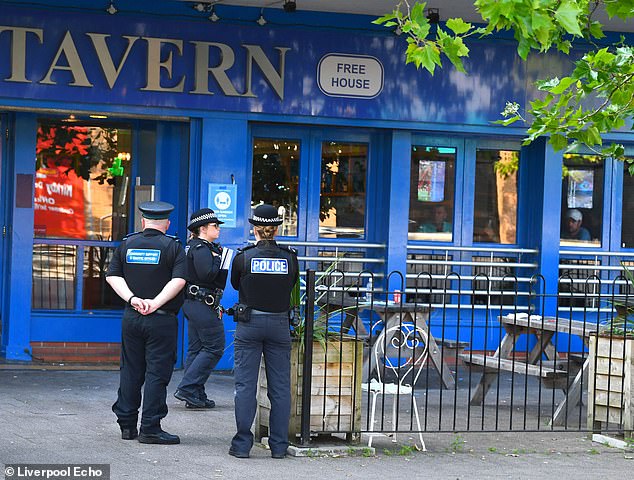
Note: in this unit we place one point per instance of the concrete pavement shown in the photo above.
(61, 416)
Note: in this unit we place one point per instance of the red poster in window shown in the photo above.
(59, 203)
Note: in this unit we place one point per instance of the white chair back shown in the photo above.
(401, 351)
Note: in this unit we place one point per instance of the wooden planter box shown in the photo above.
(335, 393)
(611, 384)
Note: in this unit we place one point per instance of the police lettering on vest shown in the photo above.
(275, 266)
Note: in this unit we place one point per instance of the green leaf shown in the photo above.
(508, 121)
(596, 30)
(429, 57)
(594, 138)
(417, 14)
(561, 86)
(458, 26)
(567, 16)
(559, 142)
(384, 18)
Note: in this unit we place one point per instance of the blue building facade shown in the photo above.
(360, 152)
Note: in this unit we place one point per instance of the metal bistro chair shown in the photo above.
(400, 351)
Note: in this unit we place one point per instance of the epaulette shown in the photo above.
(288, 248)
(244, 249)
(173, 237)
(131, 235)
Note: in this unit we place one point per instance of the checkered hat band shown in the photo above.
(209, 217)
(255, 218)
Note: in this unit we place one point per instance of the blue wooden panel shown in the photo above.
(19, 274)
(69, 327)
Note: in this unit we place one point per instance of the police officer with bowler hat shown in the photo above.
(264, 274)
(204, 289)
(148, 271)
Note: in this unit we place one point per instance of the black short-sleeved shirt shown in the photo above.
(265, 275)
(203, 267)
(147, 261)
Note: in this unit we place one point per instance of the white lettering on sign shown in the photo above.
(60, 189)
(357, 76)
(276, 266)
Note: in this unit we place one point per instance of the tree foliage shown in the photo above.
(580, 109)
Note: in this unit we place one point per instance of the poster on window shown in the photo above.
(431, 181)
(580, 187)
(59, 203)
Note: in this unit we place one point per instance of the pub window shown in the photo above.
(81, 205)
(431, 193)
(582, 200)
(82, 187)
(342, 203)
(276, 179)
(495, 205)
(627, 229)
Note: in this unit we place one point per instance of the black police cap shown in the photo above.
(156, 210)
(202, 217)
(264, 215)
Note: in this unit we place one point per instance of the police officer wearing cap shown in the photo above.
(264, 274)
(204, 289)
(148, 271)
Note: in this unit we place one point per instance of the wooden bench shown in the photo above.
(452, 349)
(552, 373)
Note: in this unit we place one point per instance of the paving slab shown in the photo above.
(64, 416)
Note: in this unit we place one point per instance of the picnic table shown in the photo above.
(554, 371)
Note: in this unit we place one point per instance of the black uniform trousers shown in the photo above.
(148, 354)
(268, 334)
(206, 345)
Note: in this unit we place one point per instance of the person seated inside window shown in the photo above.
(572, 227)
(439, 221)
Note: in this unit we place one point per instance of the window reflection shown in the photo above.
(82, 181)
(343, 180)
(96, 292)
(431, 193)
(582, 200)
(495, 205)
(276, 179)
(627, 229)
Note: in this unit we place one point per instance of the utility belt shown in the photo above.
(243, 313)
(208, 296)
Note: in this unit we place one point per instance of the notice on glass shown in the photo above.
(580, 188)
(431, 181)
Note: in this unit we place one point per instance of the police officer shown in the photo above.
(264, 274)
(148, 271)
(204, 289)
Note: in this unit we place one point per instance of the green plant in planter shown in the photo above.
(322, 332)
(623, 323)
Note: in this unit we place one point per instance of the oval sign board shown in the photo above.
(358, 76)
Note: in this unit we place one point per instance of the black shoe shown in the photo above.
(161, 438)
(189, 398)
(278, 455)
(233, 453)
(129, 433)
(208, 404)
